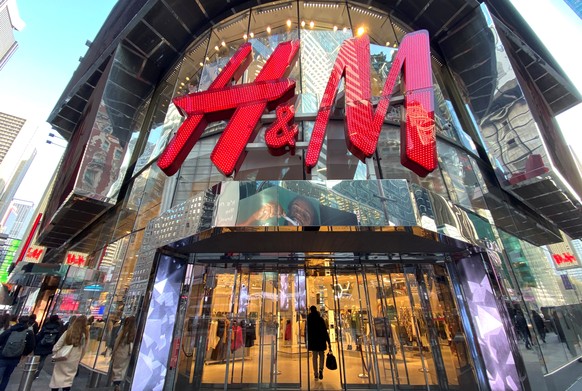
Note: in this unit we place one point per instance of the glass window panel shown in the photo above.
(224, 41)
(391, 168)
(459, 174)
(319, 50)
(374, 23)
(198, 173)
(110, 263)
(151, 198)
(270, 26)
(448, 122)
(117, 127)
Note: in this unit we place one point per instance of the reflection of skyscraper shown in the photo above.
(9, 128)
(16, 219)
(14, 183)
(9, 21)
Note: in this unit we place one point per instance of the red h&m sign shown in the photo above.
(244, 104)
(34, 254)
(74, 258)
(565, 259)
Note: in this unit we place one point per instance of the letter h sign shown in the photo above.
(245, 103)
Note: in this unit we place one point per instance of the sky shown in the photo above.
(54, 38)
(33, 79)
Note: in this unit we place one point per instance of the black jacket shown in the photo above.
(317, 336)
(28, 348)
(44, 350)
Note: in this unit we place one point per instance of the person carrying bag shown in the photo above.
(317, 340)
(46, 340)
(330, 361)
(68, 352)
(122, 351)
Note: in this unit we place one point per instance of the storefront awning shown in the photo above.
(31, 274)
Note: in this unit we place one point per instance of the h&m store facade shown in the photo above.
(395, 164)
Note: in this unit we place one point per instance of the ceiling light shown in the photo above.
(334, 28)
(288, 22)
(302, 23)
(321, 5)
(268, 29)
(367, 12)
(311, 24)
(278, 7)
(360, 31)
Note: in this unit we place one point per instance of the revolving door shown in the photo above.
(392, 326)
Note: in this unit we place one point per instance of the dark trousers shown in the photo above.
(40, 364)
(7, 366)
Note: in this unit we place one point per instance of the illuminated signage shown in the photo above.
(565, 259)
(34, 254)
(77, 259)
(244, 104)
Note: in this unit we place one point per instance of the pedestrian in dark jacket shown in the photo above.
(317, 337)
(540, 325)
(46, 339)
(522, 328)
(9, 362)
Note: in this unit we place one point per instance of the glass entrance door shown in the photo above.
(238, 331)
(392, 327)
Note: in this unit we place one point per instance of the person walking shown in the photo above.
(64, 371)
(522, 328)
(122, 351)
(46, 340)
(317, 336)
(16, 342)
(540, 325)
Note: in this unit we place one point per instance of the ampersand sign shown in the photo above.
(281, 135)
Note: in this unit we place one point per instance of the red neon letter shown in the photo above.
(244, 104)
(363, 126)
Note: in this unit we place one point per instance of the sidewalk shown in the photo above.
(42, 383)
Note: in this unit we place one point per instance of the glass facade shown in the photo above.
(398, 318)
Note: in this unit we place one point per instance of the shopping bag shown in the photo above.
(62, 354)
(331, 362)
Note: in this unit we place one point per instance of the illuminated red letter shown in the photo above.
(363, 126)
(243, 104)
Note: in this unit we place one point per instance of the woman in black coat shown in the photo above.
(46, 339)
(317, 337)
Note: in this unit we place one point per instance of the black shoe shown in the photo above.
(320, 375)
(316, 377)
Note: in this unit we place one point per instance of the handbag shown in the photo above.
(330, 362)
(63, 353)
